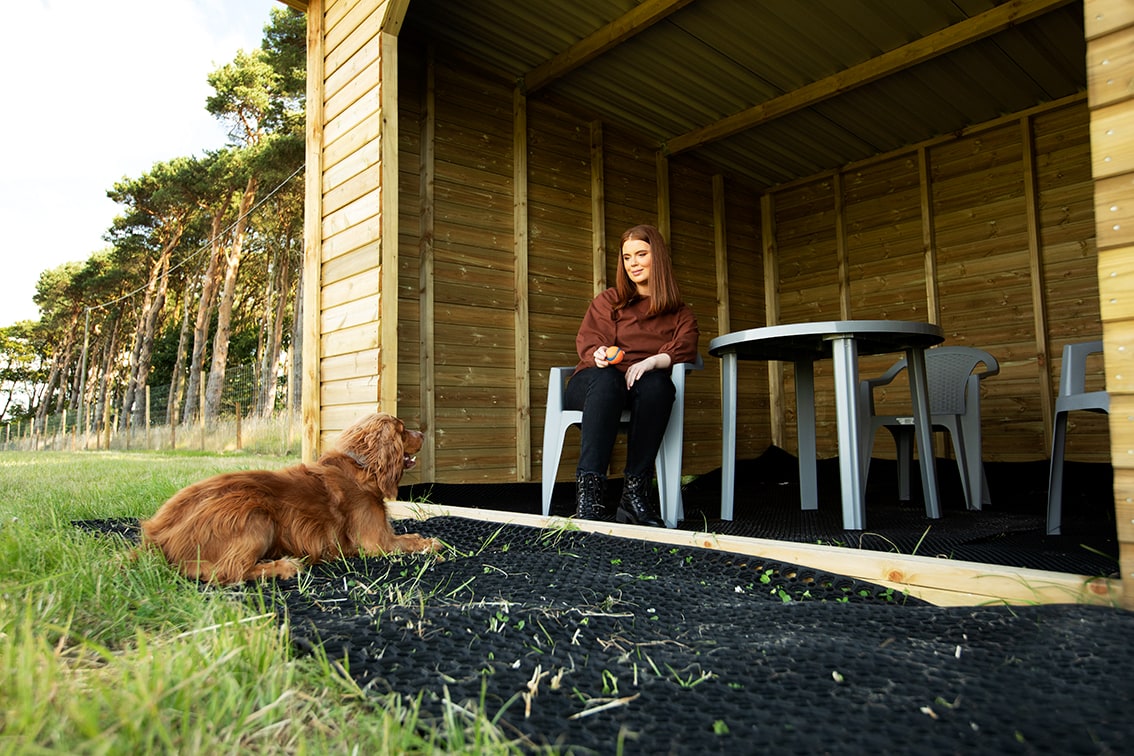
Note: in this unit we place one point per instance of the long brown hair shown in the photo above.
(665, 296)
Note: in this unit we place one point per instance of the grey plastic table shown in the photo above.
(842, 341)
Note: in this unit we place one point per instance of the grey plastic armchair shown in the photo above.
(1073, 396)
(954, 405)
(668, 462)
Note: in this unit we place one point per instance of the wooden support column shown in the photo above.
(720, 248)
(841, 247)
(427, 459)
(1035, 266)
(598, 209)
(520, 273)
(777, 413)
(663, 196)
(388, 235)
(312, 233)
(1109, 28)
(928, 238)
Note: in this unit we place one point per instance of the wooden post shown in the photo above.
(239, 445)
(1109, 29)
(201, 411)
(147, 434)
(520, 284)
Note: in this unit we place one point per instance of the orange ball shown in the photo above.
(614, 355)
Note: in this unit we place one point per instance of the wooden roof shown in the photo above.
(771, 90)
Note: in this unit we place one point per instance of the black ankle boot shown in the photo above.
(590, 488)
(634, 507)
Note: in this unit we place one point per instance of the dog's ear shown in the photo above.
(376, 444)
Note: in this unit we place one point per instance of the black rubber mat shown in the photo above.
(595, 644)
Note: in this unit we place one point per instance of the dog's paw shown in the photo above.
(281, 569)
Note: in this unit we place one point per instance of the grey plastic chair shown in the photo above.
(1072, 396)
(954, 405)
(668, 462)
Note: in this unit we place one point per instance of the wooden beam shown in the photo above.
(313, 236)
(777, 413)
(598, 209)
(426, 283)
(520, 284)
(928, 238)
(1038, 286)
(720, 252)
(944, 582)
(640, 18)
(663, 197)
(388, 235)
(841, 253)
(931, 46)
(394, 15)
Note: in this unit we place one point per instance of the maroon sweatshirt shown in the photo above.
(640, 335)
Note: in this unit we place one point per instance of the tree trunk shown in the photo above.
(109, 349)
(215, 386)
(209, 283)
(179, 361)
(155, 293)
(53, 379)
(274, 327)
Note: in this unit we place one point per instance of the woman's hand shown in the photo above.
(638, 369)
(600, 357)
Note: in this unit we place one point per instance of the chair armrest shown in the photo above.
(1073, 371)
(556, 382)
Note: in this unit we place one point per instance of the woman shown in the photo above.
(645, 316)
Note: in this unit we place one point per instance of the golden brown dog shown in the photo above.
(258, 524)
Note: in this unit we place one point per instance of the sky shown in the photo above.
(98, 91)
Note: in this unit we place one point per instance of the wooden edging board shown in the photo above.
(940, 581)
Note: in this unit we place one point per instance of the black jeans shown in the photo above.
(602, 395)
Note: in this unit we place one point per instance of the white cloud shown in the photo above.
(97, 91)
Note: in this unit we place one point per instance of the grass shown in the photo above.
(104, 654)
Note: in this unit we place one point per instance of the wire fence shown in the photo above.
(241, 423)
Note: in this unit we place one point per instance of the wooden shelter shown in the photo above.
(471, 166)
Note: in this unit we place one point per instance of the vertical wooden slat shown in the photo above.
(720, 247)
(1112, 155)
(776, 410)
(312, 232)
(388, 239)
(598, 209)
(1035, 260)
(426, 286)
(928, 238)
(663, 195)
(520, 272)
(841, 247)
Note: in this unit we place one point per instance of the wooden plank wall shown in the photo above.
(1110, 80)
(352, 152)
(1003, 212)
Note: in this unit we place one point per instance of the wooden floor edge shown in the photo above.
(940, 581)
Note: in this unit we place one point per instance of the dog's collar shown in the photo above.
(358, 460)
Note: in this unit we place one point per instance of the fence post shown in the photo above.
(239, 445)
(201, 406)
(147, 417)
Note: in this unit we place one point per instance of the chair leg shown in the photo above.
(668, 466)
(903, 440)
(970, 487)
(1055, 476)
(552, 449)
